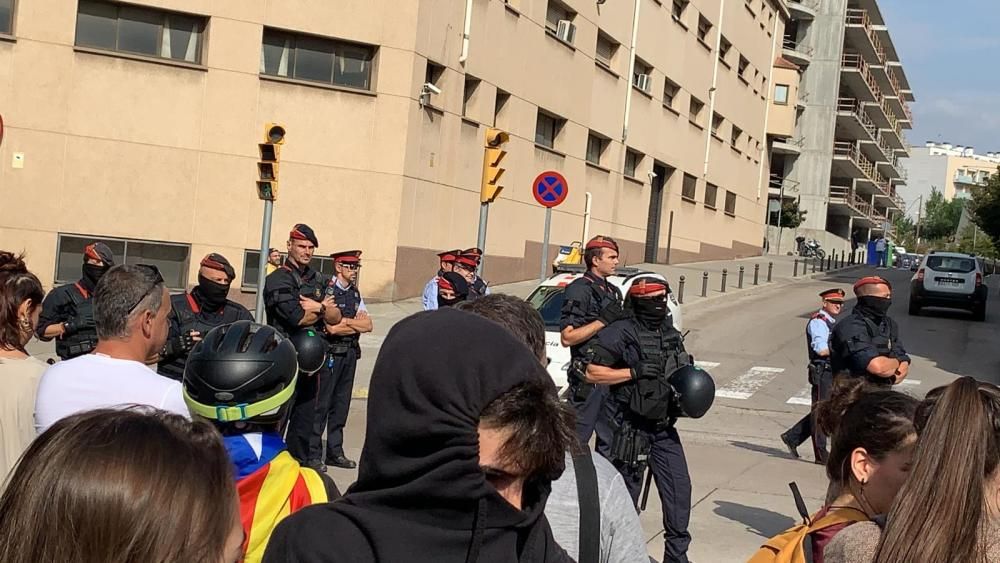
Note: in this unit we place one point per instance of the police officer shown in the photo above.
(866, 342)
(447, 264)
(343, 355)
(295, 298)
(465, 266)
(196, 312)
(590, 303)
(820, 375)
(642, 358)
(67, 311)
(452, 290)
(478, 287)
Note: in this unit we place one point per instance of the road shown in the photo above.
(754, 346)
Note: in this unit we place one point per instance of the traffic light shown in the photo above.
(492, 156)
(267, 166)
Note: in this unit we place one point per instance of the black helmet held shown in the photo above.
(311, 349)
(695, 391)
(240, 372)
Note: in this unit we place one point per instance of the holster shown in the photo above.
(340, 348)
(579, 389)
(81, 346)
(630, 447)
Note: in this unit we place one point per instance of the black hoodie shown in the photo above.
(420, 494)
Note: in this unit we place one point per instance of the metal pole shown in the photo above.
(795, 268)
(741, 278)
(814, 265)
(484, 217)
(770, 270)
(756, 272)
(545, 244)
(704, 284)
(725, 273)
(680, 291)
(670, 235)
(265, 245)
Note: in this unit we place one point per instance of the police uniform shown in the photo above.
(198, 310)
(72, 305)
(820, 379)
(862, 336)
(344, 352)
(430, 295)
(282, 290)
(478, 288)
(583, 302)
(646, 426)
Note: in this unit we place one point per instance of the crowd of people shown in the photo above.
(469, 453)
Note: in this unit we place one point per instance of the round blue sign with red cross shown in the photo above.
(550, 188)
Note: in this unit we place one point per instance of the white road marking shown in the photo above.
(803, 397)
(706, 365)
(744, 386)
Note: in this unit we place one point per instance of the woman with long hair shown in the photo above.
(122, 486)
(948, 510)
(872, 444)
(21, 297)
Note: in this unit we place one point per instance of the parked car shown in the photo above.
(548, 299)
(949, 279)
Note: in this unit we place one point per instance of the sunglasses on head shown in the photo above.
(157, 280)
(349, 266)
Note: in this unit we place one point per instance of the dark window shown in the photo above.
(734, 137)
(606, 49)
(632, 161)
(317, 59)
(143, 31)
(499, 105)
(742, 68)
(711, 194)
(547, 128)
(951, 264)
(716, 123)
(730, 203)
(724, 47)
(170, 258)
(595, 148)
(549, 301)
(670, 90)
(704, 28)
(6, 16)
(694, 113)
(689, 190)
(679, 7)
(471, 87)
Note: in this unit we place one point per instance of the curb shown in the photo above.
(765, 287)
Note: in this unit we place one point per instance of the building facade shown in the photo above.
(843, 164)
(137, 123)
(950, 169)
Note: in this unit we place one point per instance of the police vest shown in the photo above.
(880, 336)
(600, 295)
(651, 399)
(312, 288)
(189, 317)
(813, 356)
(477, 289)
(348, 300)
(84, 340)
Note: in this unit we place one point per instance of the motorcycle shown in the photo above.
(810, 248)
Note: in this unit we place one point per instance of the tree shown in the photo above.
(985, 206)
(942, 217)
(906, 231)
(974, 241)
(791, 215)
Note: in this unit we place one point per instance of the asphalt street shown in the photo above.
(754, 346)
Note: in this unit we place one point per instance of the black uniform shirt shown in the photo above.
(858, 338)
(619, 343)
(187, 314)
(59, 307)
(282, 289)
(583, 301)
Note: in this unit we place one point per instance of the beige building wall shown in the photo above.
(973, 172)
(121, 146)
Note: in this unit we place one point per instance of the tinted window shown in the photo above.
(951, 264)
(548, 301)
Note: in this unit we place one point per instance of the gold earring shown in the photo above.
(25, 324)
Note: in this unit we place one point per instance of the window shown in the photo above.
(730, 203)
(606, 49)
(547, 128)
(433, 73)
(471, 87)
(711, 193)
(781, 94)
(716, 123)
(735, 136)
(742, 67)
(724, 47)
(679, 7)
(642, 76)
(689, 190)
(499, 105)
(141, 31)
(170, 258)
(316, 59)
(704, 28)
(595, 148)
(251, 259)
(557, 14)
(694, 113)
(632, 161)
(6, 17)
(670, 90)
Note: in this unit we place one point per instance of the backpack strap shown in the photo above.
(590, 508)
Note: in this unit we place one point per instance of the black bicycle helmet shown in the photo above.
(241, 372)
(695, 391)
(311, 349)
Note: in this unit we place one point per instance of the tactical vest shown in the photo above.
(312, 288)
(85, 339)
(477, 289)
(813, 356)
(348, 300)
(651, 399)
(189, 318)
(600, 297)
(881, 338)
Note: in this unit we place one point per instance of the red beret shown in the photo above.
(870, 280)
(445, 284)
(602, 242)
(219, 262)
(303, 232)
(647, 286)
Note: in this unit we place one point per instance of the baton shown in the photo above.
(645, 488)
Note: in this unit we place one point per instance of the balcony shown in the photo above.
(780, 186)
(857, 77)
(803, 9)
(969, 179)
(844, 201)
(901, 109)
(860, 33)
(854, 121)
(788, 147)
(850, 162)
(796, 51)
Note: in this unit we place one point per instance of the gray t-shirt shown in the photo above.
(621, 531)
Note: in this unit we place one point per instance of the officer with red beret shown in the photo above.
(430, 296)
(866, 342)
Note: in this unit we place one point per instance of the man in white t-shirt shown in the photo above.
(131, 304)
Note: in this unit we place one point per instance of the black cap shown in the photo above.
(99, 251)
(302, 231)
(219, 262)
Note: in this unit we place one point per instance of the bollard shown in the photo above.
(704, 284)
(770, 270)
(756, 273)
(725, 273)
(814, 265)
(795, 269)
(680, 291)
(829, 260)
(741, 278)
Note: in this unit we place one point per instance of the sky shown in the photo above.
(950, 50)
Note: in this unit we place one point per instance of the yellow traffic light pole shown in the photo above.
(267, 190)
(490, 188)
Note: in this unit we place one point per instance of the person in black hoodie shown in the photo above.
(465, 434)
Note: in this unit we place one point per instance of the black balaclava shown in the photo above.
(421, 496)
(460, 286)
(877, 307)
(650, 311)
(91, 274)
(212, 295)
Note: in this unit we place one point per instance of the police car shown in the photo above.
(547, 298)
